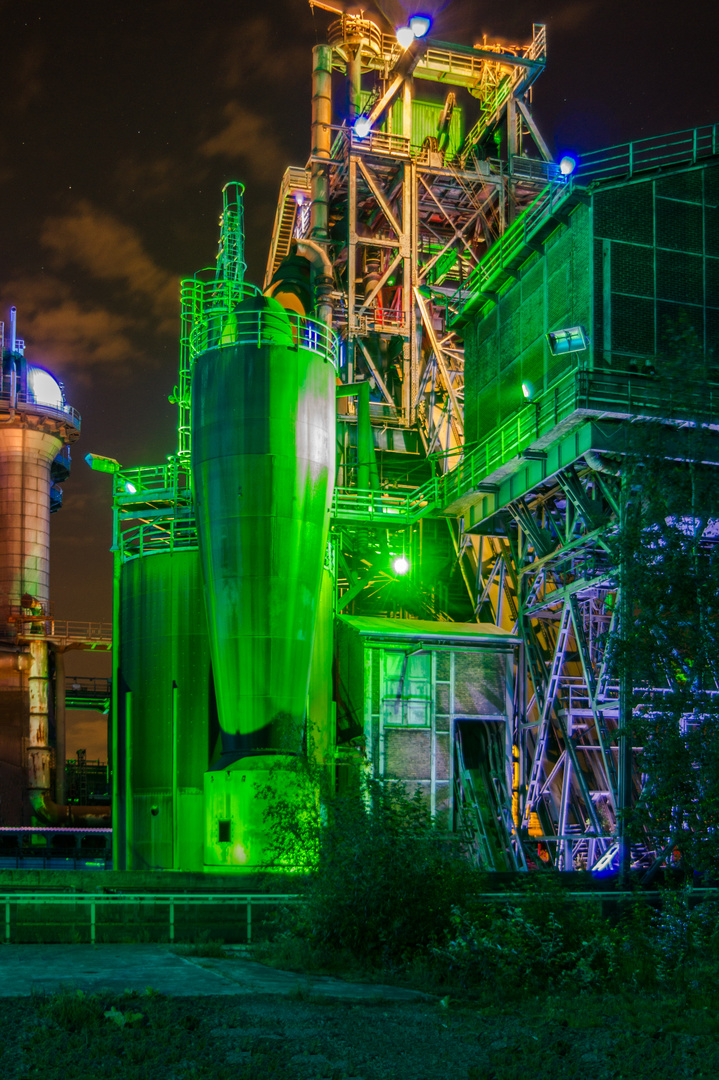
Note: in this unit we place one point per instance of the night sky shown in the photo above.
(120, 124)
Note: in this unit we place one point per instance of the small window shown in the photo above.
(224, 832)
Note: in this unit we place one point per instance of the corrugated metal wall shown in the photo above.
(425, 118)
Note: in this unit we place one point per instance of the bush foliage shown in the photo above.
(387, 893)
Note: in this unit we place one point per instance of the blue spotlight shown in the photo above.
(567, 165)
(420, 25)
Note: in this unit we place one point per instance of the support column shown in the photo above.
(60, 726)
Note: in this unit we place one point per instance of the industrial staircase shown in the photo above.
(294, 191)
(470, 821)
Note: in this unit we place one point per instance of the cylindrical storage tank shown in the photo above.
(35, 425)
(263, 444)
(26, 454)
(165, 728)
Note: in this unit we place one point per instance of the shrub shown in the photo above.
(544, 941)
(383, 879)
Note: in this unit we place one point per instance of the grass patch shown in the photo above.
(615, 1034)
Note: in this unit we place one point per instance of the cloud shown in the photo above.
(246, 137)
(66, 335)
(110, 250)
(574, 15)
(27, 84)
(251, 52)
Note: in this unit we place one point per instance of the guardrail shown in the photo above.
(531, 422)
(150, 483)
(152, 537)
(93, 904)
(63, 629)
(677, 148)
(386, 507)
(80, 631)
(513, 242)
(23, 404)
(218, 326)
(378, 142)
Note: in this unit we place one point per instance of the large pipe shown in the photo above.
(322, 279)
(321, 140)
(39, 753)
(60, 726)
(367, 473)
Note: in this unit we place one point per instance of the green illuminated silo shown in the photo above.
(165, 701)
(263, 413)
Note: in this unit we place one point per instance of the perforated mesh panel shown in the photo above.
(656, 263)
(508, 346)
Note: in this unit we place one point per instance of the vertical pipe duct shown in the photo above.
(321, 140)
(60, 725)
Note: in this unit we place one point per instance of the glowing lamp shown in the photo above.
(420, 25)
(567, 165)
(362, 127)
(400, 565)
(573, 339)
(102, 464)
(129, 488)
(528, 390)
(405, 36)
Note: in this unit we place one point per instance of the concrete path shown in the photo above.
(26, 969)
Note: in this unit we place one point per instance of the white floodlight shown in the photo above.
(405, 36)
(362, 127)
(573, 339)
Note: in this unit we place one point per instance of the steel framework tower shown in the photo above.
(491, 301)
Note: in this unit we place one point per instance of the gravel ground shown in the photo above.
(301, 1038)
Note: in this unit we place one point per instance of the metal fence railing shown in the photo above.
(151, 537)
(678, 148)
(89, 912)
(23, 404)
